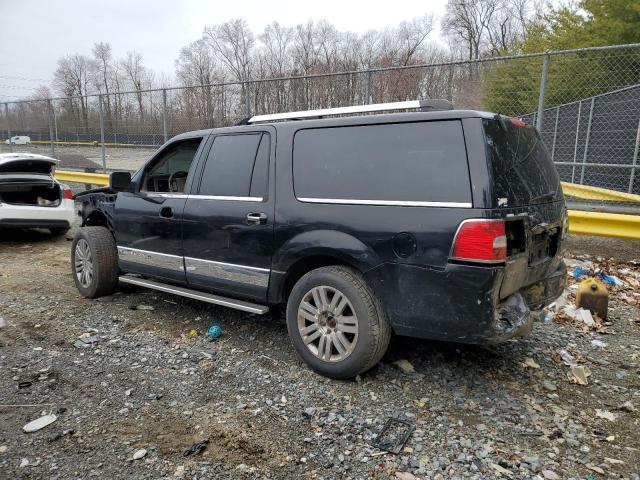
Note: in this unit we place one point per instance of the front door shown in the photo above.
(148, 220)
(228, 219)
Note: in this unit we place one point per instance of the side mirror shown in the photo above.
(119, 181)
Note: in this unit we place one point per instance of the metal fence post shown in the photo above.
(555, 134)
(6, 112)
(369, 99)
(543, 91)
(104, 160)
(164, 114)
(51, 137)
(575, 147)
(635, 159)
(247, 99)
(586, 141)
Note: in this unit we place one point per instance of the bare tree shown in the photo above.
(72, 79)
(135, 73)
(104, 74)
(470, 20)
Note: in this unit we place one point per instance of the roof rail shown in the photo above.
(423, 105)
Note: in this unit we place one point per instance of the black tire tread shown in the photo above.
(105, 259)
(378, 326)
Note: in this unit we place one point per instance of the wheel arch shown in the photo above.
(315, 249)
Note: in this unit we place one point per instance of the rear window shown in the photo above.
(406, 162)
(523, 173)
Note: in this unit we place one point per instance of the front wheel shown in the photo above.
(94, 262)
(336, 323)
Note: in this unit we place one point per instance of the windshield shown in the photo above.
(523, 173)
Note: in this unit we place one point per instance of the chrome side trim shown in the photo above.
(227, 271)
(166, 195)
(203, 197)
(222, 197)
(205, 297)
(151, 259)
(397, 203)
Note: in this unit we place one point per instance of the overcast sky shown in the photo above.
(34, 34)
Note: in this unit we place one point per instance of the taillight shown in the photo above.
(481, 240)
(67, 193)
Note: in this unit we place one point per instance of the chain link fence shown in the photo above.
(585, 103)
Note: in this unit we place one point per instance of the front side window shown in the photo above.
(237, 166)
(387, 163)
(169, 172)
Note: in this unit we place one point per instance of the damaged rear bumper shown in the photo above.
(462, 303)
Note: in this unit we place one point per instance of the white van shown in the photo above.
(19, 140)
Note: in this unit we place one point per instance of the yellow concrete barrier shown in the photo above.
(82, 177)
(604, 224)
(597, 193)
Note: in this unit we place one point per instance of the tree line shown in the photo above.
(231, 53)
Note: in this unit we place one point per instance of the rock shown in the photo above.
(148, 308)
(607, 415)
(405, 476)
(24, 463)
(627, 407)
(179, 473)
(404, 365)
(3, 448)
(3, 323)
(550, 475)
(39, 423)
(128, 392)
(309, 412)
(531, 363)
(139, 454)
(549, 386)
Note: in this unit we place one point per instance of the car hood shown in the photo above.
(26, 163)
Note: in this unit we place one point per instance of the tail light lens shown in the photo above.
(67, 193)
(481, 240)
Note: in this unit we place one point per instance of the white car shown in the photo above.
(19, 140)
(30, 196)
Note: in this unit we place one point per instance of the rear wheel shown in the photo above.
(336, 323)
(94, 262)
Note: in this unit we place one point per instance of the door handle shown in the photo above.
(166, 212)
(256, 218)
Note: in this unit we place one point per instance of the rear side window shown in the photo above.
(522, 170)
(406, 162)
(237, 166)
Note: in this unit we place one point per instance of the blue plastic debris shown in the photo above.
(214, 332)
(606, 279)
(579, 272)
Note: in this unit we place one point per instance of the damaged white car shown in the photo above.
(31, 197)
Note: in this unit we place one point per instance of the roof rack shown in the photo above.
(423, 105)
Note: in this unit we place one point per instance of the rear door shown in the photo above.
(229, 217)
(148, 220)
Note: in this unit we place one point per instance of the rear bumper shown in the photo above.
(27, 216)
(461, 303)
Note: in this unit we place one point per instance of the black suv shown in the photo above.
(441, 224)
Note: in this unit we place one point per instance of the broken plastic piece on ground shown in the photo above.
(531, 363)
(394, 435)
(39, 423)
(196, 448)
(192, 333)
(611, 280)
(214, 332)
(579, 374)
(567, 358)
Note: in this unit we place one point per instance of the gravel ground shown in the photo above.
(148, 386)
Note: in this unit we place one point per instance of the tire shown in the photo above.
(363, 344)
(102, 262)
(58, 232)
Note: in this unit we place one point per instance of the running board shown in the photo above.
(187, 292)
